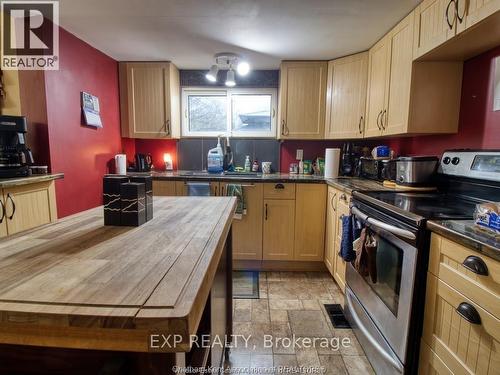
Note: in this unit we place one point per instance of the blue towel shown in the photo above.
(351, 230)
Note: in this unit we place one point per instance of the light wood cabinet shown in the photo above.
(339, 266)
(247, 231)
(302, 99)
(346, 97)
(310, 213)
(164, 188)
(471, 12)
(279, 191)
(28, 206)
(10, 103)
(454, 341)
(431, 26)
(331, 228)
(406, 97)
(278, 229)
(150, 100)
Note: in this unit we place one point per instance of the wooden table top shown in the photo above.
(79, 273)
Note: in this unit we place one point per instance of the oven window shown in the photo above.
(385, 275)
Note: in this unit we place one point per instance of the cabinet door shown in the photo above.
(29, 206)
(10, 103)
(431, 25)
(302, 99)
(278, 229)
(3, 217)
(310, 215)
(378, 74)
(465, 346)
(339, 263)
(395, 118)
(164, 188)
(346, 97)
(474, 11)
(331, 228)
(145, 98)
(247, 231)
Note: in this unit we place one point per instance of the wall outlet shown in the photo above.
(299, 154)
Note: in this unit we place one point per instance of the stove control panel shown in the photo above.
(474, 164)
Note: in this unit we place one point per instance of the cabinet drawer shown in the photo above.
(447, 263)
(465, 347)
(279, 191)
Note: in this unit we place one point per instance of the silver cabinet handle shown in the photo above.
(379, 224)
(167, 127)
(378, 120)
(331, 202)
(361, 120)
(382, 119)
(370, 338)
(284, 128)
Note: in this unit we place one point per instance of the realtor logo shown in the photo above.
(30, 35)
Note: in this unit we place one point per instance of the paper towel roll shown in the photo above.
(121, 164)
(332, 162)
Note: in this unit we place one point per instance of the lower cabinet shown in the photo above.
(331, 228)
(164, 188)
(279, 227)
(247, 231)
(27, 206)
(461, 333)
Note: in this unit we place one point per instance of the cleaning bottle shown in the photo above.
(215, 159)
(247, 164)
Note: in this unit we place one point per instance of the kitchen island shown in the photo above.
(84, 294)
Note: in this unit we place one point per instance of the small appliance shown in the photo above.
(347, 161)
(416, 170)
(15, 155)
(143, 162)
(371, 168)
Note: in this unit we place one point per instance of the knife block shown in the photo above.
(148, 183)
(133, 204)
(111, 192)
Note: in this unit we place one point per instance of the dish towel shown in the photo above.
(236, 190)
(351, 230)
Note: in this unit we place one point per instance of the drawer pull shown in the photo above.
(476, 265)
(279, 186)
(13, 206)
(469, 313)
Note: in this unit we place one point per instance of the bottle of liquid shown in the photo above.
(247, 163)
(215, 159)
(228, 157)
(255, 166)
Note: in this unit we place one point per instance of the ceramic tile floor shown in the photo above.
(291, 303)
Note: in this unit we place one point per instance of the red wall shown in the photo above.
(157, 148)
(82, 153)
(479, 125)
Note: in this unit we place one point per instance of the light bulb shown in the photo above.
(230, 78)
(212, 73)
(243, 68)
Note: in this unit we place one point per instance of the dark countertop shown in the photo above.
(18, 181)
(346, 184)
(468, 234)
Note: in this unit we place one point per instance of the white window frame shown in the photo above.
(186, 91)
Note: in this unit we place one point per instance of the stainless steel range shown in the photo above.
(386, 307)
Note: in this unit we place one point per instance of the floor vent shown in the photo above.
(336, 315)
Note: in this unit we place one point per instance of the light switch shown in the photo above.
(300, 154)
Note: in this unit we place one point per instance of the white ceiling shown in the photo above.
(190, 32)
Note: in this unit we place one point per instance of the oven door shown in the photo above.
(386, 293)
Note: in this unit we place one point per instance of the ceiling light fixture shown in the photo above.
(228, 60)
(212, 73)
(230, 82)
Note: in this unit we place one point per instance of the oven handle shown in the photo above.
(377, 223)
(369, 337)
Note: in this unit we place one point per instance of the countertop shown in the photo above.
(346, 184)
(81, 284)
(18, 181)
(468, 234)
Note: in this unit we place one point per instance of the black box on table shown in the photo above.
(111, 190)
(133, 202)
(148, 182)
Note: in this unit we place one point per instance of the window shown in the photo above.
(229, 112)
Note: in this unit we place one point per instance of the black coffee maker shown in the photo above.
(15, 156)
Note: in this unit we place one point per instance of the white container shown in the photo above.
(121, 164)
(266, 167)
(215, 159)
(332, 162)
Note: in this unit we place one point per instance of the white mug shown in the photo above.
(266, 167)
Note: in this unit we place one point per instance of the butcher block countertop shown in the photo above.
(79, 284)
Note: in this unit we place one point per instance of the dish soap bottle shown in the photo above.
(215, 159)
(247, 163)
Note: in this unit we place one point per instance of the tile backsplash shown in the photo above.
(192, 152)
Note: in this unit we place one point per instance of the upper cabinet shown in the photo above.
(302, 99)
(150, 100)
(437, 22)
(10, 100)
(407, 97)
(346, 97)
